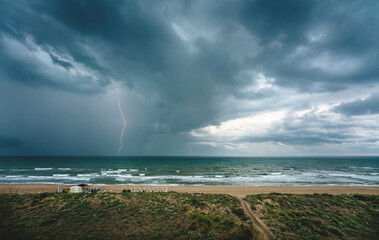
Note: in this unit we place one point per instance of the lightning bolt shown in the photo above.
(123, 128)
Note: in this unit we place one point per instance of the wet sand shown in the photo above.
(238, 191)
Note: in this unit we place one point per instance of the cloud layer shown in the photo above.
(195, 77)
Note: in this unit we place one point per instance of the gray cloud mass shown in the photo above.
(182, 66)
(369, 105)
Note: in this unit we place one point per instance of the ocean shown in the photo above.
(244, 171)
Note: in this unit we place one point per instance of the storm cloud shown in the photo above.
(366, 106)
(186, 71)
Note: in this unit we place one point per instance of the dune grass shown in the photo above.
(123, 216)
(319, 216)
(185, 216)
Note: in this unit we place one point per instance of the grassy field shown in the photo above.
(123, 216)
(319, 216)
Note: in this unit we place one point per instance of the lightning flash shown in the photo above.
(123, 128)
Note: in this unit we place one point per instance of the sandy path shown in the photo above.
(266, 233)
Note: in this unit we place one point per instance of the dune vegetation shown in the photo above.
(158, 215)
(318, 216)
(145, 215)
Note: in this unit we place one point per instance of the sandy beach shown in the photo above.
(238, 191)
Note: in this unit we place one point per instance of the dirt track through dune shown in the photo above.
(267, 234)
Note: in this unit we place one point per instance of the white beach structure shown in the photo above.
(76, 189)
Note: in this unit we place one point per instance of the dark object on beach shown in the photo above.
(82, 185)
(124, 191)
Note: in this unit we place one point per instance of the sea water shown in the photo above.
(247, 171)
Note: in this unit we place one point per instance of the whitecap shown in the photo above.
(122, 176)
(88, 175)
(107, 172)
(73, 178)
(64, 169)
(42, 169)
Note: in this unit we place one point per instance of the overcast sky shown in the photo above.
(247, 78)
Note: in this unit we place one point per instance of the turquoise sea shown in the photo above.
(250, 171)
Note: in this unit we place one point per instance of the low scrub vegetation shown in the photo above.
(172, 215)
(319, 216)
(123, 216)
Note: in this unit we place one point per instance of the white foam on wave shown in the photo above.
(366, 168)
(73, 178)
(219, 176)
(133, 170)
(348, 175)
(366, 178)
(163, 179)
(276, 173)
(61, 175)
(15, 176)
(111, 171)
(64, 169)
(88, 175)
(43, 169)
(107, 172)
(142, 174)
(123, 176)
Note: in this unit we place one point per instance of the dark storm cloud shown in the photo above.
(369, 105)
(140, 43)
(315, 45)
(9, 142)
(188, 57)
(277, 19)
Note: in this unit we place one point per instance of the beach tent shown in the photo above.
(76, 189)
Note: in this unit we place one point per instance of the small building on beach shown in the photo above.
(76, 189)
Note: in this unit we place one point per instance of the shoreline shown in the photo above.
(237, 191)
